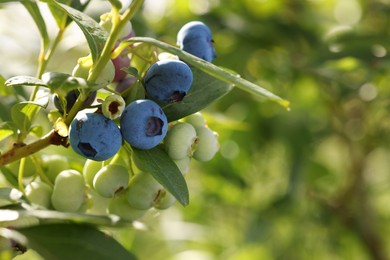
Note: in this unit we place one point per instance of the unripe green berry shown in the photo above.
(120, 207)
(53, 165)
(39, 193)
(164, 200)
(90, 169)
(196, 120)
(111, 179)
(83, 69)
(68, 191)
(98, 204)
(106, 23)
(183, 164)
(207, 144)
(180, 140)
(142, 191)
(113, 106)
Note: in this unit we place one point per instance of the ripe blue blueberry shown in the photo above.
(94, 136)
(168, 81)
(195, 38)
(143, 124)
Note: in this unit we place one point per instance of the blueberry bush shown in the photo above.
(90, 151)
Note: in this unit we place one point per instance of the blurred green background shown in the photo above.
(309, 183)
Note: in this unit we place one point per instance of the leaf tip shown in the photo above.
(285, 103)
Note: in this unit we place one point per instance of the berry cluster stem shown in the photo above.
(118, 22)
(53, 138)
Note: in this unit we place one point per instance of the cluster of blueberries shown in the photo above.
(142, 124)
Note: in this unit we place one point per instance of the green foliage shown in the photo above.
(94, 34)
(164, 170)
(304, 184)
(55, 240)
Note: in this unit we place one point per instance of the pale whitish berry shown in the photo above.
(53, 165)
(90, 169)
(99, 204)
(111, 179)
(106, 23)
(180, 140)
(142, 191)
(183, 164)
(84, 66)
(119, 206)
(207, 144)
(164, 200)
(68, 191)
(196, 120)
(39, 193)
(113, 106)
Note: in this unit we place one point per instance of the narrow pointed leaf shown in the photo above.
(205, 89)
(95, 35)
(18, 81)
(33, 9)
(23, 115)
(157, 162)
(213, 70)
(73, 241)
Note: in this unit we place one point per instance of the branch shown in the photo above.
(18, 151)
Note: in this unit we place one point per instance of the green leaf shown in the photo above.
(157, 162)
(95, 35)
(50, 216)
(33, 9)
(73, 241)
(61, 17)
(18, 81)
(9, 176)
(7, 129)
(37, 130)
(23, 115)
(213, 70)
(132, 71)
(205, 89)
(5, 91)
(62, 83)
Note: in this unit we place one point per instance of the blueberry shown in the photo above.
(71, 98)
(54, 164)
(94, 136)
(110, 179)
(68, 191)
(106, 23)
(120, 207)
(168, 81)
(113, 106)
(143, 124)
(143, 191)
(85, 65)
(39, 193)
(120, 62)
(207, 144)
(195, 38)
(180, 141)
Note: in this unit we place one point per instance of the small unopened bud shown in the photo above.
(113, 106)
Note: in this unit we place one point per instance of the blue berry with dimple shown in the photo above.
(195, 38)
(143, 124)
(168, 81)
(94, 136)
